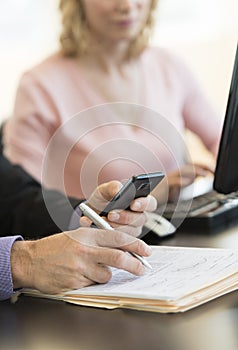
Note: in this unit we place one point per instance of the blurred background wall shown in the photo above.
(203, 32)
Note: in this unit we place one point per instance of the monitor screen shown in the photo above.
(226, 173)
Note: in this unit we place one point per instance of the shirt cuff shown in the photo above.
(74, 221)
(6, 285)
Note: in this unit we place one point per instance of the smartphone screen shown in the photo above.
(137, 186)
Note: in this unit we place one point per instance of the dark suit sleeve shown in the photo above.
(22, 206)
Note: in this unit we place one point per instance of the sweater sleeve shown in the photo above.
(6, 285)
(29, 130)
(199, 114)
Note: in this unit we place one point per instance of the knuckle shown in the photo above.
(139, 246)
(104, 276)
(74, 281)
(82, 282)
(118, 239)
(132, 231)
(117, 258)
(138, 267)
(82, 250)
(141, 219)
(125, 217)
(137, 231)
(136, 219)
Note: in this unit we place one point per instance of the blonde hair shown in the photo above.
(73, 38)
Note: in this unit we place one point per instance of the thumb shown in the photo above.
(85, 222)
(110, 189)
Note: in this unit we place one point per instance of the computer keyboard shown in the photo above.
(201, 205)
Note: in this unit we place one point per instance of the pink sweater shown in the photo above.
(74, 151)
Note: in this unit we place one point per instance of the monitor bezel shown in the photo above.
(226, 172)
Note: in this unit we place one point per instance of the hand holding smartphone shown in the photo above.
(137, 186)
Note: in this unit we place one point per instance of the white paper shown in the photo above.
(176, 272)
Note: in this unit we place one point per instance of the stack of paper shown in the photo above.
(181, 279)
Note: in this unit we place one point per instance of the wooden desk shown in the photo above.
(35, 324)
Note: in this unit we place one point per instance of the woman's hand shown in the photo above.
(130, 221)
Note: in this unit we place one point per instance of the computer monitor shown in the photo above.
(226, 173)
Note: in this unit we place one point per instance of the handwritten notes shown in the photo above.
(181, 278)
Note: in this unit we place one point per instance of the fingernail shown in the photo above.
(113, 216)
(136, 205)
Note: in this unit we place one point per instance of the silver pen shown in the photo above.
(101, 223)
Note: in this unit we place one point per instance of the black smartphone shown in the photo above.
(137, 186)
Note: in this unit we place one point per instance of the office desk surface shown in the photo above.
(37, 324)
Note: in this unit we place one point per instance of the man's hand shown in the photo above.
(74, 259)
(130, 221)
